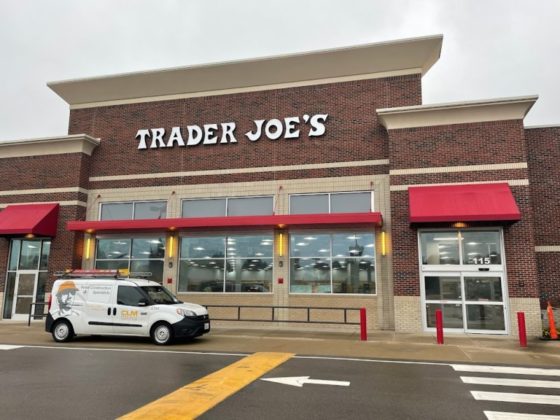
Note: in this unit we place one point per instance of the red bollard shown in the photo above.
(522, 329)
(363, 324)
(439, 326)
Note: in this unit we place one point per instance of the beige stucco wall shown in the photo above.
(408, 314)
(532, 310)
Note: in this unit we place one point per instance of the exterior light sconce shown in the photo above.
(170, 248)
(459, 225)
(29, 236)
(281, 244)
(88, 248)
(383, 243)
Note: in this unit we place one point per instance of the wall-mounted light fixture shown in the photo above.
(88, 248)
(383, 243)
(170, 247)
(281, 244)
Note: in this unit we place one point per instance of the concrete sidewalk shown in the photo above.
(380, 345)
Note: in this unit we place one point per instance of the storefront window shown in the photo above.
(138, 255)
(470, 247)
(332, 263)
(134, 210)
(345, 202)
(234, 263)
(24, 287)
(229, 206)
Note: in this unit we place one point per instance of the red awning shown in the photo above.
(299, 220)
(24, 219)
(462, 203)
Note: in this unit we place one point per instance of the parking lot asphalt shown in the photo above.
(380, 344)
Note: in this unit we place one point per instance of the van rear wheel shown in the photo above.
(162, 333)
(62, 331)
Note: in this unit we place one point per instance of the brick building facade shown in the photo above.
(315, 212)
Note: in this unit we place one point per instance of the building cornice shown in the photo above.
(407, 56)
(501, 109)
(76, 143)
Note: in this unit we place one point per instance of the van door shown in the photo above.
(132, 315)
(99, 306)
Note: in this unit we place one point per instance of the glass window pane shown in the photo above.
(150, 210)
(250, 206)
(112, 265)
(45, 251)
(353, 275)
(242, 246)
(482, 247)
(113, 249)
(485, 317)
(483, 288)
(201, 276)
(353, 245)
(40, 295)
(309, 204)
(214, 207)
(310, 275)
(148, 248)
(116, 211)
(452, 315)
(26, 284)
(203, 247)
(439, 247)
(155, 267)
(442, 288)
(310, 245)
(359, 202)
(29, 255)
(22, 305)
(249, 275)
(9, 295)
(14, 254)
(128, 295)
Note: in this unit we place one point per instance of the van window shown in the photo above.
(129, 295)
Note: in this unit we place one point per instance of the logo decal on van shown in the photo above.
(65, 297)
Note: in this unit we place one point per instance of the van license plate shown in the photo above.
(207, 326)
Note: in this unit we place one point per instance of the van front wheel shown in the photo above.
(162, 333)
(62, 331)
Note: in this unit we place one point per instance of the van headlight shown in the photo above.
(185, 312)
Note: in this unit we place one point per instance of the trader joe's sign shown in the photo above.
(223, 133)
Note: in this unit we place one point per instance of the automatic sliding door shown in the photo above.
(484, 303)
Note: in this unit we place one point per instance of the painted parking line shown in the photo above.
(200, 396)
(8, 347)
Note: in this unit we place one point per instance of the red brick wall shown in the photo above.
(461, 145)
(352, 129)
(457, 145)
(543, 146)
(46, 171)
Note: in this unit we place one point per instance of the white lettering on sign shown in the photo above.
(224, 133)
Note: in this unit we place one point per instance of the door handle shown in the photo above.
(109, 311)
(114, 311)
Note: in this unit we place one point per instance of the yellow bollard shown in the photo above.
(553, 332)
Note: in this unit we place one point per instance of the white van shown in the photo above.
(117, 306)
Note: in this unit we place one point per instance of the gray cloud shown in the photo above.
(494, 48)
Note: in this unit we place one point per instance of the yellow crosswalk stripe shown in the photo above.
(200, 396)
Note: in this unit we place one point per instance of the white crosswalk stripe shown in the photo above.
(548, 399)
(510, 382)
(500, 415)
(506, 369)
(8, 347)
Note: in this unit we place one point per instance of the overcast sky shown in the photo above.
(491, 48)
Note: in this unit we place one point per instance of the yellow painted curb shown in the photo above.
(200, 396)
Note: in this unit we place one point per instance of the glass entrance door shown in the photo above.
(470, 302)
(25, 289)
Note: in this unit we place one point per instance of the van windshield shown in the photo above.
(160, 295)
